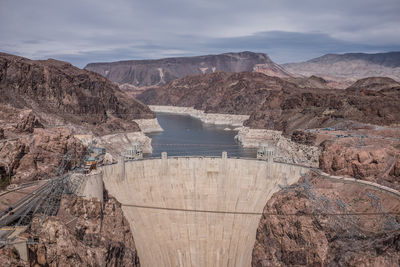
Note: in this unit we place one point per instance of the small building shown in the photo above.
(90, 164)
(97, 151)
(134, 152)
(266, 152)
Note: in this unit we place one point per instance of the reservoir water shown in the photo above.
(184, 135)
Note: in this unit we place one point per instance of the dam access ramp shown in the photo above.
(196, 211)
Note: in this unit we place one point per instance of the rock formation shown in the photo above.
(82, 234)
(144, 73)
(374, 162)
(349, 67)
(37, 156)
(303, 137)
(290, 109)
(60, 93)
(44, 104)
(220, 92)
(301, 226)
(27, 122)
(383, 84)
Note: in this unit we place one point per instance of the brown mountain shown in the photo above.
(43, 104)
(142, 73)
(220, 92)
(375, 84)
(274, 103)
(60, 93)
(312, 82)
(307, 108)
(349, 67)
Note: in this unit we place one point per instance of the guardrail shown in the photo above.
(354, 180)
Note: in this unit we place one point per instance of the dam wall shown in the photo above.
(195, 211)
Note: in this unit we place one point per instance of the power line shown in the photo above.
(260, 213)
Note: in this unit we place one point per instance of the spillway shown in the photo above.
(195, 211)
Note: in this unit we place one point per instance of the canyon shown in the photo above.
(325, 193)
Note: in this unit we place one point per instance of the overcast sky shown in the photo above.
(83, 31)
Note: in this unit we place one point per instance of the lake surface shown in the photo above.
(187, 136)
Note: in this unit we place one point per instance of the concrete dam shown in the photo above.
(195, 211)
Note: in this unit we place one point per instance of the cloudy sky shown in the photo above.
(83, 31)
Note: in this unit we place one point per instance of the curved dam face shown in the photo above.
(196, 211)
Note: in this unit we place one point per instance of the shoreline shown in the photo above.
(285, 149)
(149, 125)
(209, 118)
(116, 143)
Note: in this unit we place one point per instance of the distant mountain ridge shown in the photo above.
(147, 73)
(350, 66)
(389, 59)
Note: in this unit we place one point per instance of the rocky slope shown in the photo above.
(220, 92)
(307, 108)
(313, 82)
(375, 84)
(144, 73)
(43, 108)
(44, 104)
(276, 104)
(300, 226)
(349, 67)
(82, 234)
(363, 151)
(32, 152)
(357, 129)
(374, 160)
(60, 93)
(39, 156)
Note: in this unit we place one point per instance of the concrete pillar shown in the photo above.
(121, 168)
(270, 156)
(224, 154)
(164, 162)
(223, 163)
(22, 248)
(93, 186)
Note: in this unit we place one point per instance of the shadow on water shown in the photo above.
(184, 135)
